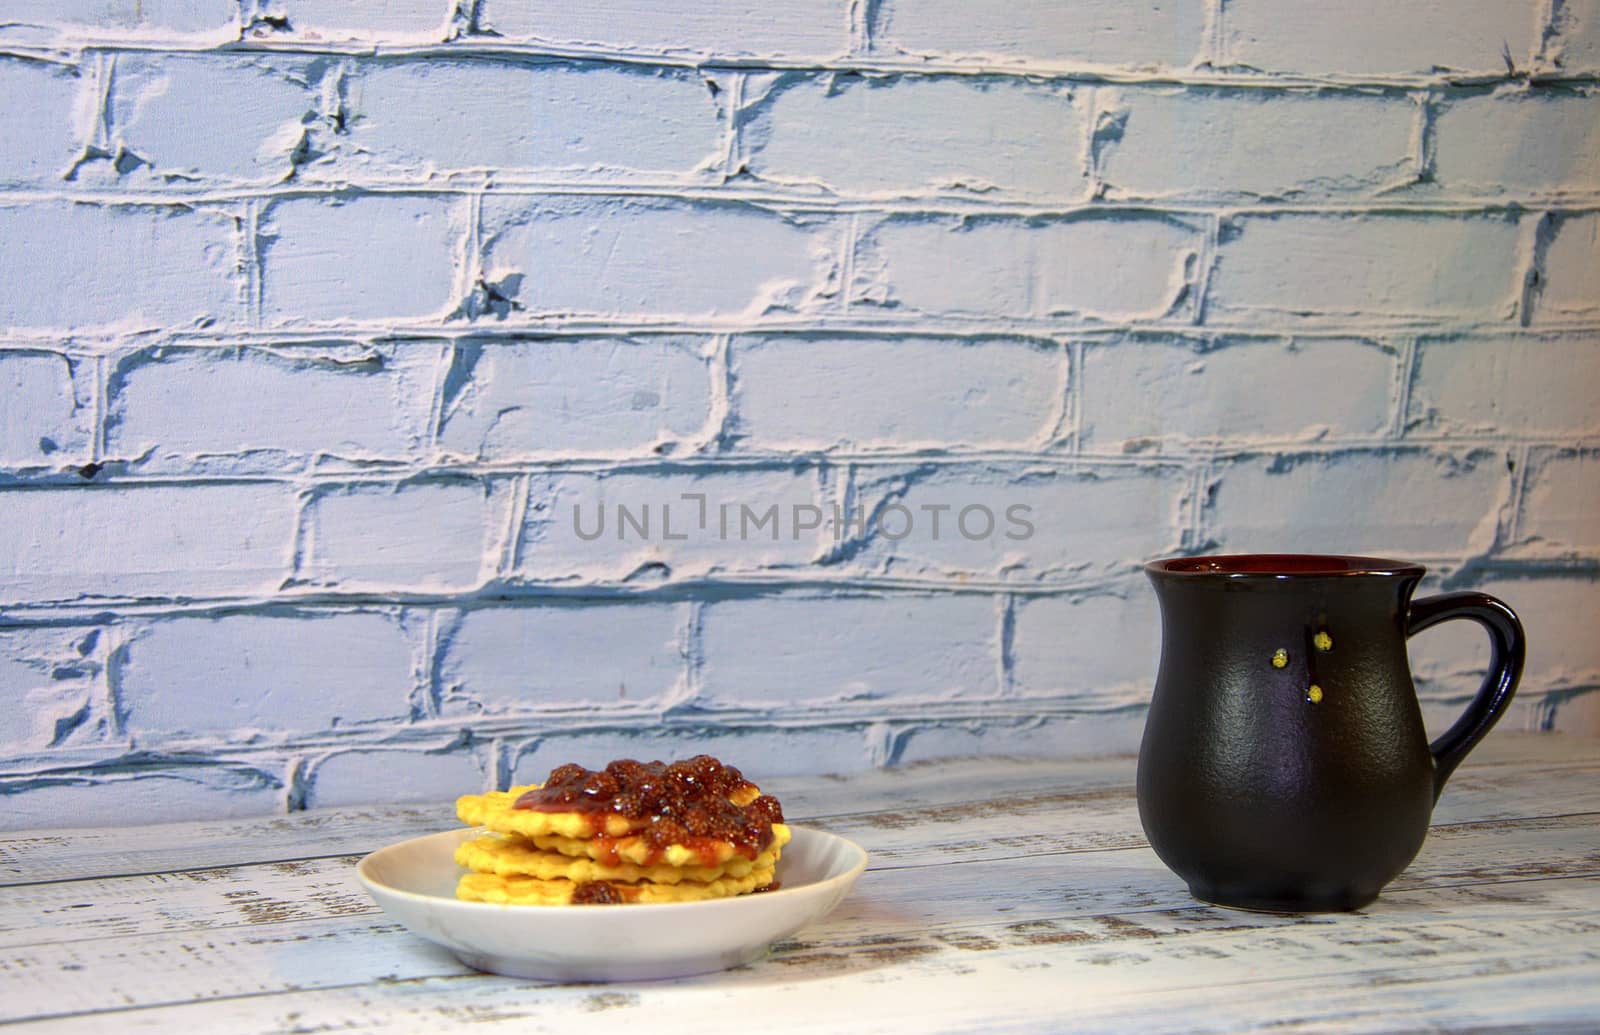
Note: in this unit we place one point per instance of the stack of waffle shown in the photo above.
(640, 832)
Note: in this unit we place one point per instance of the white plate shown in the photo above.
(415, 882)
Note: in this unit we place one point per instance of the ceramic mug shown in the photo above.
(1284, 764)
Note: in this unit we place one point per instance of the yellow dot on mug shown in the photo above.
(1314, 695)
(1322, 641)
(1280, 658)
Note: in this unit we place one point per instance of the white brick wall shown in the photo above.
(321, 321)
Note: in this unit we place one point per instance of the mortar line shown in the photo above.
(1210, 243)
(443, 361)
(501, 768)
(1091, 157)
(876, 64)
(1005, 661)
(1550, 30)
(790, 584)
(250, 253)
(733, 135)
(1214, 36)
(102, 388)
(470, 272)
(784, 199)
(720, 401)
(1179, 457)
(87, 342)
(302, 544)
(296, 783)
(433, 693)
(1075, 372)
(1194, 536)
(515, 527)
(847, 278)
(1519, 487)
(859, 30)
(1406, 372)
(1057, 431)
(114, 639)
(1424, 136)
(693, 653)
(105, 70)
(1534, 239)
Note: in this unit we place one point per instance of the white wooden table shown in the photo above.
(1004, 895)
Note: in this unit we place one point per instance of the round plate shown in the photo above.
(415, 882)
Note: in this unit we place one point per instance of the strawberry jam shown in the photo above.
(685, 803)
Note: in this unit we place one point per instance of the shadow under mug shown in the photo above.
(1284, 764)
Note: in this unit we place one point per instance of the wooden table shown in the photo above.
(1004, 895)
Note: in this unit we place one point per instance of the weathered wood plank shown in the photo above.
(1510, 775)
(1414, 955)
(233, 928)
(317, 888)
(1006, 894)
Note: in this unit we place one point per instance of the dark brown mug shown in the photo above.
(1284, 764)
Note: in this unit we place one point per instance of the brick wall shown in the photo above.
(320, 318)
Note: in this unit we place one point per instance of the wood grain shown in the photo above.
(1003, 895)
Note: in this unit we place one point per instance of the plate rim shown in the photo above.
(374, 885)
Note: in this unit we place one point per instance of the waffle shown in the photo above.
(632, 832)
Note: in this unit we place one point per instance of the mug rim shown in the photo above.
(1281, 566)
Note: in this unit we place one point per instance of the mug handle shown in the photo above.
(1507, 651)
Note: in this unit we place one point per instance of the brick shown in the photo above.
(760, 752)
(801, 392)
(144, 541)
(363, 258)
(1405, 504)
(40, 133)
(422, 536)
(754, 519)
(42, 19)
(1066, 523)
(395, 776)
(1025, 32)
(731, 28)
(519, 659)
(131, 265)
(1517, 143)
(51, 690)
(1102, 649)
(1374, 37)
(905, 134)
(1126, 266)
(1560, 613)
(1252, 143)
(1492, 385)
(44, 420)
(836, 649)
(1396, 266)
(1450, 660)
(228, 117)
(183, 791)
(1228, 390)
(1571, 267)
(242, 675)
(1577, 46)
(256, 409)
(388, 21)
(635, 256)
(1561, 503)
(589, 396)
(1035, 736)
(406, 117)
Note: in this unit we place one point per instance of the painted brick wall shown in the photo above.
(319, 319)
